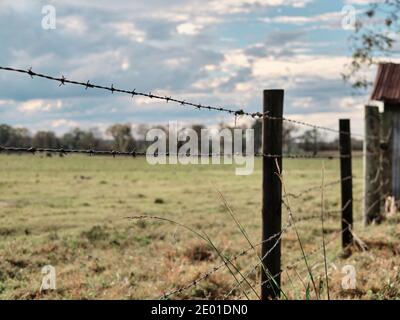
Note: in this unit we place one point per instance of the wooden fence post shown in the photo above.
(272, 195)
(372, 154)
(346, 181)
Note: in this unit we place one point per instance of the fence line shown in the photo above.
(62, 80)
(133, 153)
(272, 156)
(236, 112)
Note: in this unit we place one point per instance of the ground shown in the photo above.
(71, 212)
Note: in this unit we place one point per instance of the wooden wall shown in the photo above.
(392, 112)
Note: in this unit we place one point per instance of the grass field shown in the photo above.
(70, 212)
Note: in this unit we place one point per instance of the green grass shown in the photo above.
(70, 212)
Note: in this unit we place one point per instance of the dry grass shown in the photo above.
(70, 213)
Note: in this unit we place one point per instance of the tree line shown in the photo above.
(121, 138)
(124, 137)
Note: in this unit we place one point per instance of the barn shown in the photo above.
(387, 90)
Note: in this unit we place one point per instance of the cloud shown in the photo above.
(280, 43)
(303, 102)
(245, 6)
(331, 120)
(330, 19)
(74, 24)
(176, 48)
(188, 28)
(38, 105)
(5, 102)
(64, 123)
(129, 30)
(301, 66)
(363, 2)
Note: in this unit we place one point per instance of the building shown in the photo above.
(387, 90)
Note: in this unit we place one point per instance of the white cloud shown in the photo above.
(17, 6)
(362, 2)
(330, 17)
(129, 30)
(321, 66)
(235, 58)
(4, 102)
(64, 123)
(303, 102)
(88, 64)
(243, 6)
(207, 84)
(188, 28)
(125, 64)
(37, 105)
(331, 119)
(73, 24)
(176, 62)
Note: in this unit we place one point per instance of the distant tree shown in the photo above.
(5, 134)
(376, 31)
(287, 135)
(140, 131)
(122, 135)
(288, 130)
(80, 139)
(139, 134)
(45, 139)
(310, 141)
(20, 137)
(257, 127)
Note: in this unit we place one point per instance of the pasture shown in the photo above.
(70, 212)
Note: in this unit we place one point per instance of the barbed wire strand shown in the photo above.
(63, 81)
(133, 153)
(316, 188)
(329, 213)
(237, 112)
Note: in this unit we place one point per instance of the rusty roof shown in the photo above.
(387, 83)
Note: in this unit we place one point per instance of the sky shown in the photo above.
(217, 52)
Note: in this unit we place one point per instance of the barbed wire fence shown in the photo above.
(269, 263)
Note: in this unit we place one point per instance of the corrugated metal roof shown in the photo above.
(387, 83)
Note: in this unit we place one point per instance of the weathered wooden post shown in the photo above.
(386, 154)
(393, 110)
(272, 195)
(372, 154)
(346, 177)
